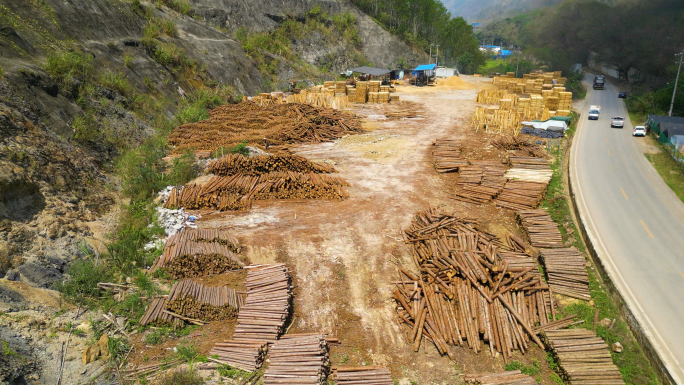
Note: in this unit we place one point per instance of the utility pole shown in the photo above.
(430, 53)
(681, 56)
(517, 66)
(437, 57)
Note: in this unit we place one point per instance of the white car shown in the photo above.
(639, 131)
(617, 121)
(594, 112)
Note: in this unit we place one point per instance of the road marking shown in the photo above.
(611, 167)
(623, 193)
(609, 152)
(606, 139)
(682, 274)
(649, 231)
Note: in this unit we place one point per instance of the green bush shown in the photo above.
(228, 372)
(68, 67)
(85, 128)
(157, 27)
(170, 55)
(136, 228)
(117, 82)
(529, 370)
(181, 377)
(188, 352)
(180, 6)
(239, 149)
(118, 348)
(191, 114)
(154, 338)
(81, 286)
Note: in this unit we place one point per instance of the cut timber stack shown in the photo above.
(518, 144)
(263, 164)
(541, 230)
(582, 357)
(156, 314)
(173, 245)
(529, 162)
(298, 359)
(207, 303)
(196, 259)
(470, 175)
(362, 375)
(487, 188)
(521, 195)
(268, 303)
(513, 377)
(447, 155)
(467, 290)
(566, 272)
(244, 355)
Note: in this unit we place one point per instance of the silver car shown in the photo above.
(617, 121)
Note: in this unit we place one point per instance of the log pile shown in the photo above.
(467, 291)
(447, 155)
(268, 304)
(523, 147)
(207, 303)
(582, 357)
(541, 230)
(281, 124)
(156, 314)
(362, 375)
(512, 377)
(244, 355)
(566, 272)
(196, 259)
(529, 162)
(470, 175)
(521, 195)
(172, 247)
(298, 359)
(263, 164)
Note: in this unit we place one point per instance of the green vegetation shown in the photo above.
(158, 335)
(228, 372)
(118, 349)
(180, 6)
(427, 22)
(189, 352)
(69, 68)
(669, 170)
(181, 377)
(644, 102)
(239, 149)
(531, 370)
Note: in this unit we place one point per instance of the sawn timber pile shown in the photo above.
(244, 355)
(268, 304)
(281, 124)
(582, 357)
(362, 375)
(466, 290)
(263, 164)
(566, 272)
(447, 155)
(541, 230)
(512, 377)
(207, 303)
(298, 359)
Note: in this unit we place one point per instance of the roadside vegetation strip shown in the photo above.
(669, 170)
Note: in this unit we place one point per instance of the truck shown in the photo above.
(599, 81)
(594, 112)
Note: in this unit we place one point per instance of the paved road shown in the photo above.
(636, 222)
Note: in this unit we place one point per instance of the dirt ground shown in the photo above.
(344, 254)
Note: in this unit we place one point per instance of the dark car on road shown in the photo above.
(622, 94)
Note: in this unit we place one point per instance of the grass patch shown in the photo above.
(228, 372)
(531, 370)
(239, 149)
(181, 377)
(669, 170)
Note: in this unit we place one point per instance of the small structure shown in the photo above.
(371, 71)
(444, 72)
(424, 74)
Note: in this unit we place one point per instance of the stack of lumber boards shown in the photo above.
(529, 175)
(263, 164)
(466, 292)
(157, 314)
(244, 355)
(196, 259)
(566, 272)
(541, 230)
(529, 162)
(268, 304)
(582, 357)
(174, 245)
(282, 124)
(521, 195)
(206, 303)
(447, 155)
(362, 375)
(513, 377)
(298, 359)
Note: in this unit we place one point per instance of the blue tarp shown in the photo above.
(505, 53)
(425, 67)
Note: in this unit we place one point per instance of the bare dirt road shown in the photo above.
(344, 254)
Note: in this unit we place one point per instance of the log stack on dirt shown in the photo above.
(512, 377)
(196, 259)
(582, 357)
(447, 155)
(206, 303)
(268, 304)
(566, 272)
(281, 124)
(244, 355)
(298, 359)
(541, 230)
(466, 291)
(263, 164)
(521, 195)
(529, 162)
(156, 314)
(487, 187)
(362, 375)
(523, 147)
(173, 247)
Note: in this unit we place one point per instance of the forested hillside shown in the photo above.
(427, 23)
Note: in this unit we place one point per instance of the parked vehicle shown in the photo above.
(599, 81)
(622, 94)
(617, 121)
(594, 112)
(639, 131)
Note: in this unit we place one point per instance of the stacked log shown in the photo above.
(263, 164)
(362, 375)
(172, 246)
(281, 124)
(516, 143)
(206, 303)
(298, 359)
(156, 314)
(558, 324)
(447, 155)
(512, 377)
(529, 162)
(268, 304)
(582, 357)
(566, 272)
(467, 291)
(481, 182)
(521, 195)
(196, 259)
(470, 175)
(541, 230)
(244, 355)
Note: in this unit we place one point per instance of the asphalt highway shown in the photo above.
(635, 221)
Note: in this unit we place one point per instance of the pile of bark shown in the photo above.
(366, 375)
(244, 355)
(512, 377)
(466, 291)
(566, 272)
(298, 359)
(541, 230)
(447, 155)
(263, 164)
(582, 357)
(279, 124)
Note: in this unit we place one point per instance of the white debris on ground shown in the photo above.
(172, 221)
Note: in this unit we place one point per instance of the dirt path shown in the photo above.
(345, 254)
